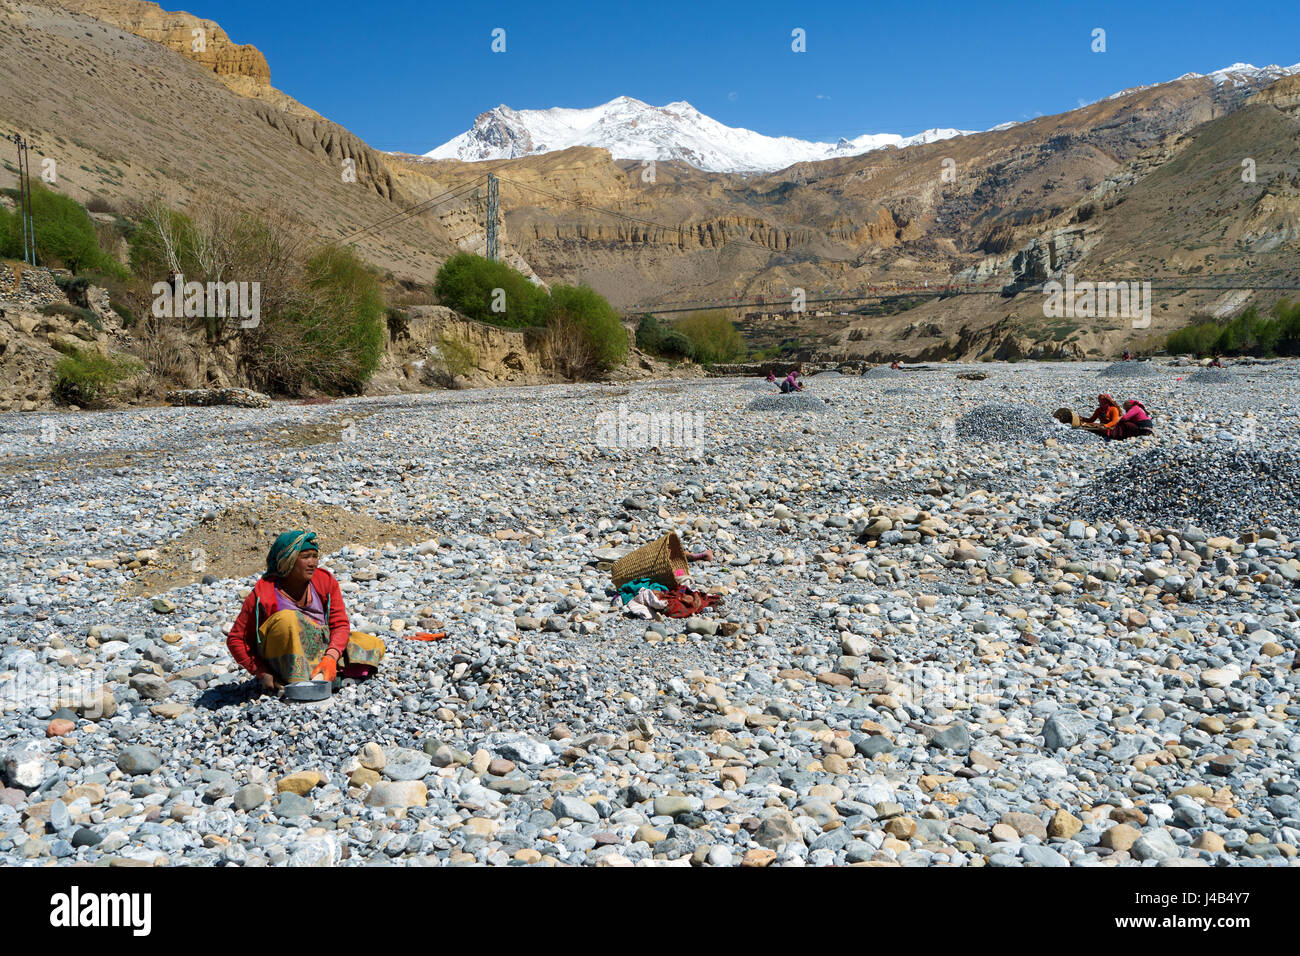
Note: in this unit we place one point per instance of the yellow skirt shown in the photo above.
(292, 644)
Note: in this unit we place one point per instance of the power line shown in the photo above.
(397, 217)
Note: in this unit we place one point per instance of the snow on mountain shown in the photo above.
(1239, 74)
(631, 129)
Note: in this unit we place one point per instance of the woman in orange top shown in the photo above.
(1107, 414)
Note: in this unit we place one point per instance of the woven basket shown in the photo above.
(1067, 416)
(659, 560)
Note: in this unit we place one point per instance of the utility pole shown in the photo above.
(25, 200)
(492, 217)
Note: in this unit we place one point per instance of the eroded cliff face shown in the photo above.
(334, 144)
(210, 46)
(418, 350)
(1284, 94)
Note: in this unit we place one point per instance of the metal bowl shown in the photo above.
(308, 690)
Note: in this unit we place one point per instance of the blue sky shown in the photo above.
(409, 75)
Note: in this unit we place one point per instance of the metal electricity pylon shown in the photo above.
(492, 217)
(25, 200)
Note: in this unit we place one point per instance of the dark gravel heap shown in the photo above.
(882, 371)
(1128, 370)
(1213, 376)
(1218, 488)
(1011, 423)
(788, 402)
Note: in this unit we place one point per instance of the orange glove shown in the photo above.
(327, 669)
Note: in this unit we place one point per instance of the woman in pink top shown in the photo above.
(1135, 421)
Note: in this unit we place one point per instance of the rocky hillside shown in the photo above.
(1015, 203)
(39, 325)
(114, 93)
(1144, 183)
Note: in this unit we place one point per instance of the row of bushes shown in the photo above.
(1248, 334)
(585, 332)
(322, 315)
(321, 312)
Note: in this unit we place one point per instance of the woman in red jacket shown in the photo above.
(294, 627)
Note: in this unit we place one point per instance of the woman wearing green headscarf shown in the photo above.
(293, 625)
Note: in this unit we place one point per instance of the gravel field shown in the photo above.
(939, 645)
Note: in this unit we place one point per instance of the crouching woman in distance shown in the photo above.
(294, 627)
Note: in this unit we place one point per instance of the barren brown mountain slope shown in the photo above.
(1220, 204)
(1021, 202)
(1142, 184)
(889, 214)
(126, 118)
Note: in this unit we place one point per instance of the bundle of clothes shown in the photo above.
(646, 598)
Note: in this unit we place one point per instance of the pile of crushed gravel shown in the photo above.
(882, 371)
(1213, 376)
(1215, 487)
(788, 402)
(1011, 423)
(1128, 370)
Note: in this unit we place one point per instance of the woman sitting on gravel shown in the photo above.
(1136, 422)
(293, 626)
(791, 383)
(1106, 416)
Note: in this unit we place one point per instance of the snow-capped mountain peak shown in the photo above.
(632, 129)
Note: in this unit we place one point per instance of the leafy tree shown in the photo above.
(586, 310)
(490, 291)
(714, 337)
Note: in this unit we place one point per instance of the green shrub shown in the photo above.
(458, 358)
(713, 337)
(123, 312)
(124, 227)
(584, 310)
(328, 335)
(86, 378)
(150, 241)
(675, 345)
(1195, 339)
(469, 284)
(1287, 315)
(399, 323)
(65, 234)
(74, 287)
(649, 333)
(660, 340)
(11, 236)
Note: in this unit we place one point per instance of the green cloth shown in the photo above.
(284, 552)
(633, 588)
